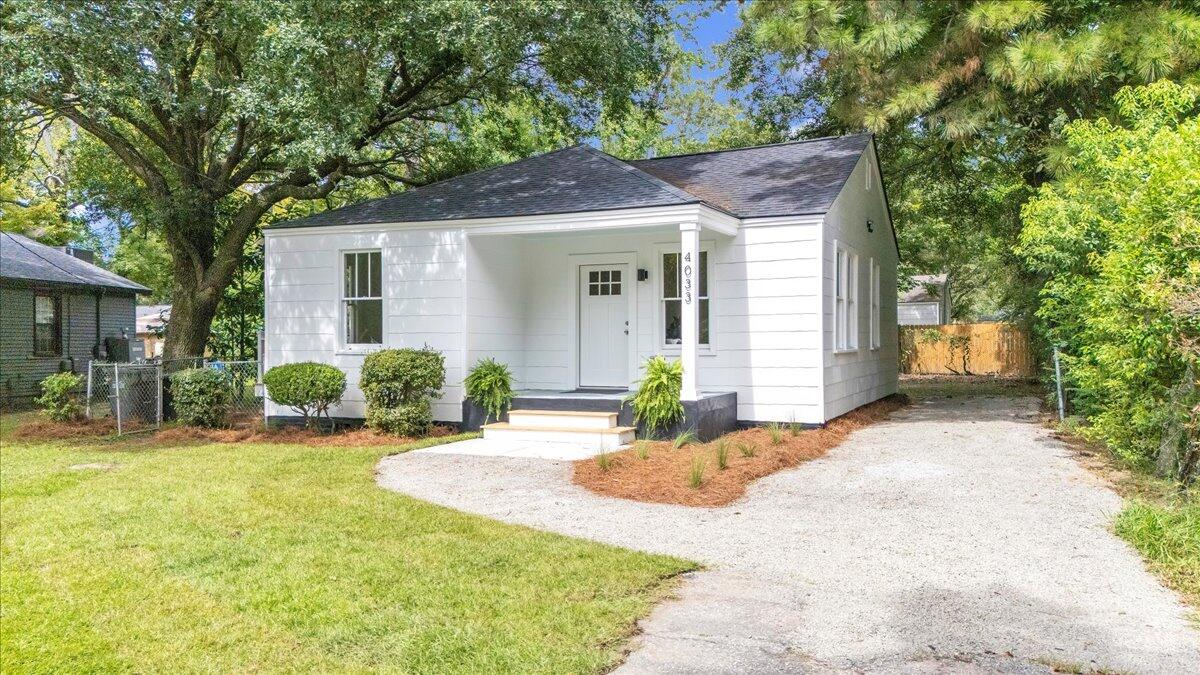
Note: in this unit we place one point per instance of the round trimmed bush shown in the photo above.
(307, 387)
(200, 396)
(394, 376)
(58, 397)
(406, 419)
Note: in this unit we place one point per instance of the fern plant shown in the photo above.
(489, 385)
(656, 402)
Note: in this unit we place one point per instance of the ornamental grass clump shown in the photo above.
(399, 385)
(684, 438)
(489, 385)
(308, 387)
(604, 460)
(747, 449)
(656, 403)
(58, 397)
(696, 473)
(642, 449)
(722, 454)
(775, 431)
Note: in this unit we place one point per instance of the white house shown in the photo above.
(769, 271)
(927, 303)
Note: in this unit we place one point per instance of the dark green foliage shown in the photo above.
(308, 388)
(489, 385)
(200, 396)
(1117, 237)
(398, 385)
(393, 376)
(405, 419)
(58, 396)
(656, 402)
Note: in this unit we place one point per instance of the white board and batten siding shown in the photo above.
(859, 376)
(423, 284)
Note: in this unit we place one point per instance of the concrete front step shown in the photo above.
(604, 439)
(573, 419)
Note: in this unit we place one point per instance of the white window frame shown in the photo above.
(660, 319)
(845, 303)
(343, 298)
(875, 327)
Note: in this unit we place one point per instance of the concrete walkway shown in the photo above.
(956, 537)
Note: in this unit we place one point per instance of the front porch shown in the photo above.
(575, 314)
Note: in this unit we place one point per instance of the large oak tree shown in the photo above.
(221, 109)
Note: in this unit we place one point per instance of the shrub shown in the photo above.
(405, 419)
(489, 385)
(394, 376)
(58, 396)
(656, 402)
(200, 396)
(308, 388)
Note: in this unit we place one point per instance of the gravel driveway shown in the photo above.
(956, 537)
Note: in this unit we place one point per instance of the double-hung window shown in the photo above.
(672, 298)
(875, 338)
(362, 297)
(845, 313)
(47, 325)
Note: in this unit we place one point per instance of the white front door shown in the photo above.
(604, 325)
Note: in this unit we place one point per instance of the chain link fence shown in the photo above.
(130, 393)
(138, 395)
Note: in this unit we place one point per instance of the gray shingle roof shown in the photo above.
(579, 178)
(926, 288)
(795, 178)
(785, 179)
(23, 259)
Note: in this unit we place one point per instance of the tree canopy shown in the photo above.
(216, 110)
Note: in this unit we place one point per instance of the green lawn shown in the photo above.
(288, 558)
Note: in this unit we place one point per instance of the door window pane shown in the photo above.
(671, 275)
(674, 322)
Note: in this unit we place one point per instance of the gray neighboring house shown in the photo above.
(56, 310)
(927, 303)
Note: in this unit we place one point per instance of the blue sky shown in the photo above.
(710, 31)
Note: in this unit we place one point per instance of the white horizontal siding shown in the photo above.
(423, 290)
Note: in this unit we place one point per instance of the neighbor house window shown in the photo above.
(875, 341)
(672, 301)
(362, 297)
(845, 315)
(47, 325)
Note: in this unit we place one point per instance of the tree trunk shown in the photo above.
(193, 308)
(201, 270)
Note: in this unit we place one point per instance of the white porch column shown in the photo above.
(689, 262)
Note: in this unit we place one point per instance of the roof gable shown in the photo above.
(23, 259)
(784, 179)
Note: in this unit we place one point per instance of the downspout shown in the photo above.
(96, 346)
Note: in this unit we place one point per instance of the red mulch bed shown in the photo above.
(291, 435)
(46, 430)
(663, 476)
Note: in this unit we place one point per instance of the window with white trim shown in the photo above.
(47, 325)
(875, 338)
(845, 313)
(362, 297)
(672, 301)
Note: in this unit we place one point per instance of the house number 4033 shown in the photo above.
(687, 279)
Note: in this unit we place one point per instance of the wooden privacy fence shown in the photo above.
(966, 349)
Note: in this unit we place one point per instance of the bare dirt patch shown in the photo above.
(663, 476)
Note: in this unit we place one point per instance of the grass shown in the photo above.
(722, 454)
(604, 460)
(747, 449)
(273, 557)
(643, 450)
(1168, 537)
(696, 473)
(775, 431)
(684, 438)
